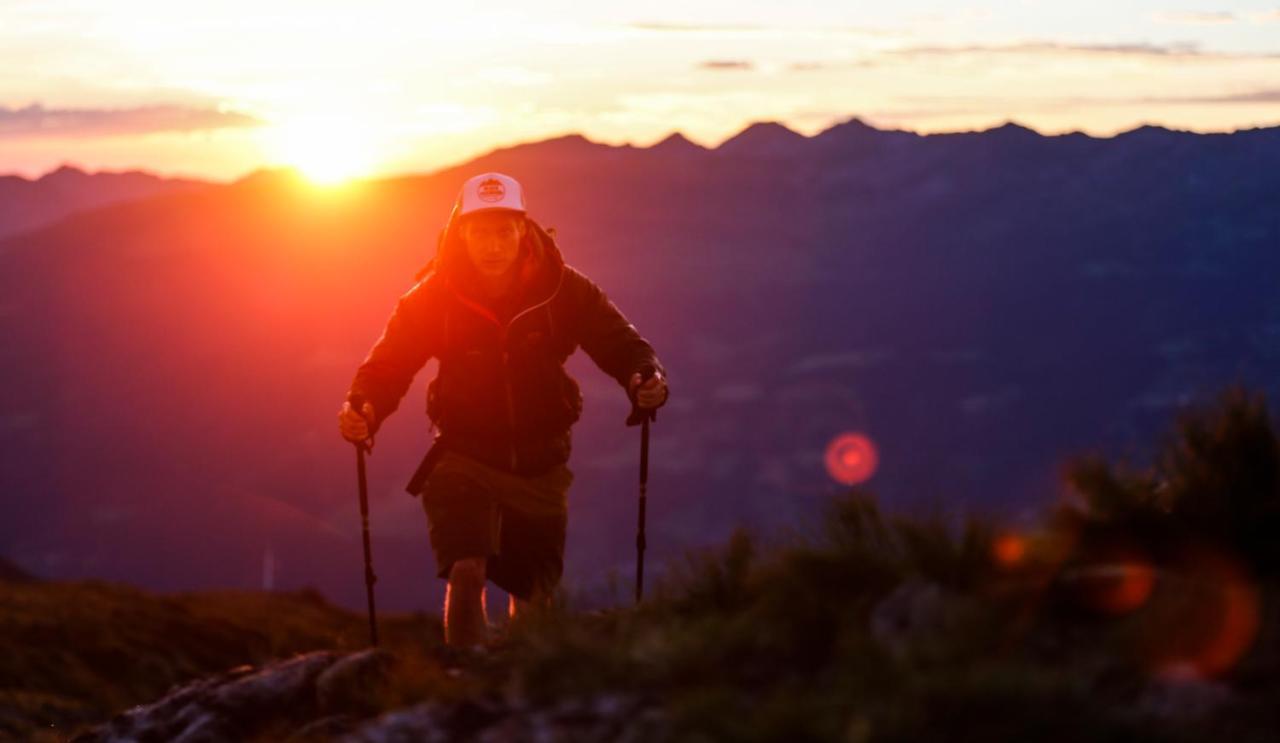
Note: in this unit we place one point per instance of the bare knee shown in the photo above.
(468, 572)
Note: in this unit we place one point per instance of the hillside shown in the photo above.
(1116, 616)
(879, 630)
(10, 573)
(27, 204)
(1143, 609)
(77, 653)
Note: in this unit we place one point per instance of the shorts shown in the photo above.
(517, 523)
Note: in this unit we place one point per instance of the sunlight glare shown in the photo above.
(327, 149)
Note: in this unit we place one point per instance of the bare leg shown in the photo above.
(466, 622)
(517, 607)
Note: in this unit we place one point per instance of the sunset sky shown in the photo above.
(216, 90)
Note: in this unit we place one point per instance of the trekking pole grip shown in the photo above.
(638, 413)
(357, 404)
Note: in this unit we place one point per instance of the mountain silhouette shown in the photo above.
(676, 144)
(980, 304)
(763, 139)
(26, 204)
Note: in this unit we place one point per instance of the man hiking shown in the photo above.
(502, 311)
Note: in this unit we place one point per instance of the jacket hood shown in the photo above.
(540, 261)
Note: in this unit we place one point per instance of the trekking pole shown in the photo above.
(369, 577)
(642, 416)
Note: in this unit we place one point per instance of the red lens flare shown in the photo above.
(1215, 621)
(851, 458)
(1009, 550)
(1118, 587)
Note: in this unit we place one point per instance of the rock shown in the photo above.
(1183, 698)
(325, 728)
(356, 684)
(234, 705)
(422, 723)
(607, 717)
(283, 686)
(327, 696)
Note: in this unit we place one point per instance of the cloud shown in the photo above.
(726, 64)
(37, 121)
(1214, 18)
(1043, 47)
(941, 106)
(827, 65)
(1177, 49)
(664, 27)
(889, 116)
(1268, 95)
(1195, 18)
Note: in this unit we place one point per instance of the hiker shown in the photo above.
(502, 311)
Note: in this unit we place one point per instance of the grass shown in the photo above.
(743, 642)
(76, 653)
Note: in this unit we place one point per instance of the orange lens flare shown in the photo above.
(1115, 585)
(1218, 619)
(1121, 588)
(1009, 550)
(1237, 628)
(851, 458)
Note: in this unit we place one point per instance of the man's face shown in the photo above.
(493, 241)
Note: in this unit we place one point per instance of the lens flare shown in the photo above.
(1217, 618)
(1127, 587)
(1236, 631)
(1009, 550)
(851, 458)
(1115, 586)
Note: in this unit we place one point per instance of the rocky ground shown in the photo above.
(326, 695)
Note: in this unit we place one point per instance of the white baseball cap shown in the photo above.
(490, 191)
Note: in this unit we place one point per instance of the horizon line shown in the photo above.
(673, 134)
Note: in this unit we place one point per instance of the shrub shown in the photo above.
(1216, 477)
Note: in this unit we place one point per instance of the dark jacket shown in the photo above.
(502, 394)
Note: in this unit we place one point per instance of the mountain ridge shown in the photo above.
(763, 128)
(27, 204)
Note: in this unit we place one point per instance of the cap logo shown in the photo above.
(491, 190)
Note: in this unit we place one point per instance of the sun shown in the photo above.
(327, 150)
